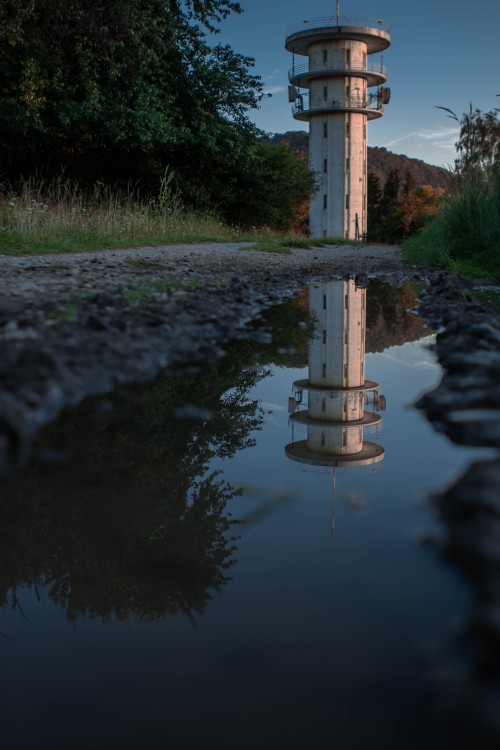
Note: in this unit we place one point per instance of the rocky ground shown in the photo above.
(75, 325)
(78, 325)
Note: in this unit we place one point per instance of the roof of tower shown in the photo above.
(301, 35)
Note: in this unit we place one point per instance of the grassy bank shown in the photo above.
(465, 236)
(59, 218)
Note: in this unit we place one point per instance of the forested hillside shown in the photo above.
(380, 161)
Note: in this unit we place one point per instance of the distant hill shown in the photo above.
(380, 161)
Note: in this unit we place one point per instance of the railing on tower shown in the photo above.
(371, 67)
(372, 101)
(331, 22)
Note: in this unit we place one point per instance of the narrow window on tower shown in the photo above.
(325, 165)
(325, 130)
(324, 371)
(325, 56)
(346, 301)
(325, 93)
(347, 164)
(348, 91)
(348, 58)
(364, 59)
(324, 336)
(347, 125)
(322, 438)
(344, 438)
(323, 404)
(347, 200)
(345, 372)
(325, 201)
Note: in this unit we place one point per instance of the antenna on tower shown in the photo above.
(337, 12)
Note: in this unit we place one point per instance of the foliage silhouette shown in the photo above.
(137, 525)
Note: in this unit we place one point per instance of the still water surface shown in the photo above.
(186, 584)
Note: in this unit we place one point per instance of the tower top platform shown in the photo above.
(301, 35)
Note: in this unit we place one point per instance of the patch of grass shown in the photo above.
(135, 295)
(325, 241)
(270, 247)
(306, 243)
(63, 314)
(142, 262)
(58, 264)
(165, 285)
(299, 242)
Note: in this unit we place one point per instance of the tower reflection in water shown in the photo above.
(331, 403)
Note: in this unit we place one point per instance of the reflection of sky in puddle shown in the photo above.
(315, 641)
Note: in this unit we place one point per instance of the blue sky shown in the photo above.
(443, 52)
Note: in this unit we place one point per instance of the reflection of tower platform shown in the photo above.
(306, 385)
(369, 419)
(370, 453)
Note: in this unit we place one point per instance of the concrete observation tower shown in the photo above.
(338, 107)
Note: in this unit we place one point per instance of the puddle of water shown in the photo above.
(246, 581)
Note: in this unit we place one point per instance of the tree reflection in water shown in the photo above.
(135, 526)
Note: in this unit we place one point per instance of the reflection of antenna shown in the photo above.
(334, 487)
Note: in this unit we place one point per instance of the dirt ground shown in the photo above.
(74, 325)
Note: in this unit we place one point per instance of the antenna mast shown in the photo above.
(337, 12)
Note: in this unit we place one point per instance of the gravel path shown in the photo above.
(66, 276)
(73, 325)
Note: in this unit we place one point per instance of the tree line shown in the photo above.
(120, 90)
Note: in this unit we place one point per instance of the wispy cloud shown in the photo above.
(439, 137)
(274, 89)
(273, 75)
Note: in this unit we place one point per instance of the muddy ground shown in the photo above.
(79, 325)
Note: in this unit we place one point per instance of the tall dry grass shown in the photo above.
(59, 217)
(465, 235)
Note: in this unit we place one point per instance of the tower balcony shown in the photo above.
(301, 35)
(371, 453)
(372, 106)
(375, 73)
